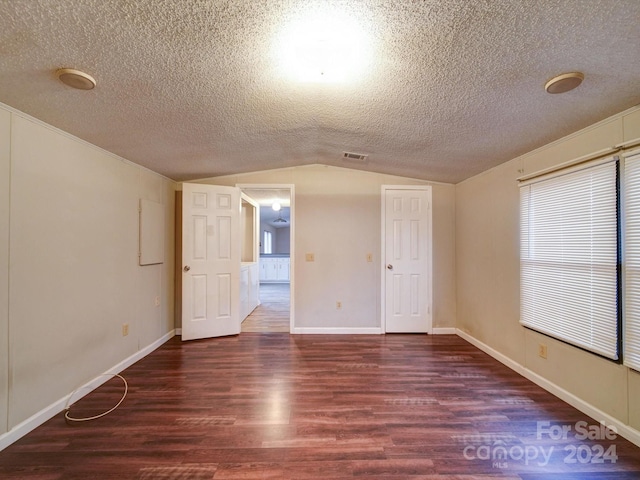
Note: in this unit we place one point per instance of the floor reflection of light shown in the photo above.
(278, 401)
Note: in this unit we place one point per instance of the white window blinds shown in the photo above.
(631, 338)
(569, 256)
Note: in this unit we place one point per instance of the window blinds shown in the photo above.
(631, 339)
(569, 256)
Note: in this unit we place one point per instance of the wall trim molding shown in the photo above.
(444, 331)
(347, 331)
(623, 429)
(337, 331)
(52, 410)
(289, 170)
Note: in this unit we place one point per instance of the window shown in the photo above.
(268, 245)
(631, 318)
(569, 256)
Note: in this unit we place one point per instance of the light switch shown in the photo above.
(369, 257)
(309, 257)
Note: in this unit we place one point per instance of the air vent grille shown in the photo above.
(354, 156)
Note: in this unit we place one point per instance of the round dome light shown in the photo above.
(76, 78)
(564, 83)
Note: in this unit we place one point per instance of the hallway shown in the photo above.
(272, 315)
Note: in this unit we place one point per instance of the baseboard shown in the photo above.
(52, 410)
(337, 331)
(178, 332)
(444, 331)
(623, 429)
(363, 331)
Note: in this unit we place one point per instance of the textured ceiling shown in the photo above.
(195, 88)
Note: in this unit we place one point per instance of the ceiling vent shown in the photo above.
(354, 156)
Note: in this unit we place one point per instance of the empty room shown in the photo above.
(319, 239)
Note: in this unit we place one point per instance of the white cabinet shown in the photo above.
(249, 289)
(267, 269)
(284, 266)
(275, 269)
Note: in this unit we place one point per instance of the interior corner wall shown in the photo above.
(338, 219)
(5, 175)
(73, 276)
(488, 276)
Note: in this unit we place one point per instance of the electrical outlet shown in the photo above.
(542, 351)
(369, 257)
(157, 302)
(310, 257)
(338, 305)
(125, 329)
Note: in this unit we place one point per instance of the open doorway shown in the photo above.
(275, 233)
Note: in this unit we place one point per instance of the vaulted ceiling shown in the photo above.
(433, 89)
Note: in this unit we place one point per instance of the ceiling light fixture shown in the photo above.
(564, 83)
(280, 219)
(324, 45)
(76, 79)
(276, 206)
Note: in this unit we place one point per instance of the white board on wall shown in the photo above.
(151, 232)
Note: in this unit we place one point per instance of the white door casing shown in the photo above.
(406, 252)
(211, 261)
(292, 251)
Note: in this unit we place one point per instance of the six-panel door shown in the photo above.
(211, 261)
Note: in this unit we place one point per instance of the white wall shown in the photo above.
(488, 284)
(283, 242)
(73, 278)
(337, 218)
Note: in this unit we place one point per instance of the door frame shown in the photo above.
(383, 249)
(292, 215)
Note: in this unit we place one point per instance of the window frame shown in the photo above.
(530, 316)
(268, 243)
(630, 348)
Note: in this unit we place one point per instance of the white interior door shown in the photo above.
(211, 261)
(407, 259)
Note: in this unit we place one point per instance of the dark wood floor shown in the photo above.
(284, 406)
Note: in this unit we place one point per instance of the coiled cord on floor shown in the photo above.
(69, 418)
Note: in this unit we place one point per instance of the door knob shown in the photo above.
(187, 268)
(389, 267)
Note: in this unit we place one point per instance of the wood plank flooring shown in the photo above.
(272, 315)
(281, 406)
